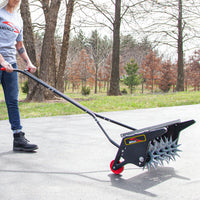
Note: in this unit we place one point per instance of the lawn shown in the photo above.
(100, 103)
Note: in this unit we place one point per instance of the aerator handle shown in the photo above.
(4, 69)
(83, 108)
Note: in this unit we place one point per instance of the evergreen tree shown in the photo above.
(133, 78)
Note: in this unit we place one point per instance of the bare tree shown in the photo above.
(132, 49)
(180, 78)
(47, 64)
(150, 70)
(194, 70)
(173, 24)
(48, 59)
(110, 15)
(99, 49)
(65, 45)
(29, 41)
(114, 81)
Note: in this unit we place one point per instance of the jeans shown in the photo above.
(10, 85)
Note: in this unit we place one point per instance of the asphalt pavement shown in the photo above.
(74, 155)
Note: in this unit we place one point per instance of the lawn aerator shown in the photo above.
(147, 147)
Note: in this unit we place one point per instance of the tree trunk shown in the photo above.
(180, 78)
(47, 63)
(114, 82)
(29, 43)
(96, 78)
(152, 84)
(53, 69)
(65, 45)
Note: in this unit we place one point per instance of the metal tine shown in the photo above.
(160, 150)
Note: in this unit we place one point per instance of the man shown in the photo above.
(11, 39)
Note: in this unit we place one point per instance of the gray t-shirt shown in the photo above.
(11, 30)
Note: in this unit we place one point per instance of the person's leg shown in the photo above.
(11, 91)
(0, 74)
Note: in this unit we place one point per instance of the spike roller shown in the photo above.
(160, 151)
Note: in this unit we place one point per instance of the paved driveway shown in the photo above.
(73, 160)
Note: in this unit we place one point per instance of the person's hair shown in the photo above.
(3, 3)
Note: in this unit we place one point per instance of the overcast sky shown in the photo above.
(126, 28)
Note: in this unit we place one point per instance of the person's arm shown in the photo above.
(5, 64)
(22, 52)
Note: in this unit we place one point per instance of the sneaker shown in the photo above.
(20, 143)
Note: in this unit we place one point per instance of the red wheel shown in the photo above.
(118, 171)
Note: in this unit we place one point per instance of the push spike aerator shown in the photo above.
(151, 146)
(148, 147)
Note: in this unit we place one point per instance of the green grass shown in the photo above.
(102, 103)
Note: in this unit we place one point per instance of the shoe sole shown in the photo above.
(25, 150)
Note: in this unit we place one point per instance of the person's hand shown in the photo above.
(31, 68)
(8, 67)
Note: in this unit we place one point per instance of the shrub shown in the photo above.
(25, 88)
(124, 91)
(85, 90)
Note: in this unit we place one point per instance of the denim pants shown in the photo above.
(10, 85)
